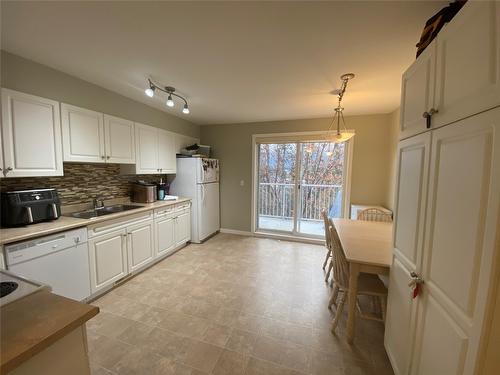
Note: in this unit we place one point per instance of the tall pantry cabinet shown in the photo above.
(447, 205)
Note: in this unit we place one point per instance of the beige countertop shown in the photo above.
(9, 235)
(35, 322)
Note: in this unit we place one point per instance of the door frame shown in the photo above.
(293, 137)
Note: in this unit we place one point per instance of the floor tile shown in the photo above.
(241, 341)
(202, 356)
(230, 363)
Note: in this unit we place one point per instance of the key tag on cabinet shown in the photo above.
(416, 290)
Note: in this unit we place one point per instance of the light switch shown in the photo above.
(242, 183)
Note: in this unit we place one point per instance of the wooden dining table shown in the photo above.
(367, 247)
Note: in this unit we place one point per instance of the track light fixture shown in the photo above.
(150, 91)
(339, 136)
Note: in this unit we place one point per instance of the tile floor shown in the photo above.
(233, 305)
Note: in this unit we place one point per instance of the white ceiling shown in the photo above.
(234, 61)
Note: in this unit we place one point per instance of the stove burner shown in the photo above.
(7, 287)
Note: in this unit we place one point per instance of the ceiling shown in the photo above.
(234, 61)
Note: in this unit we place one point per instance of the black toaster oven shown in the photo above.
(29, 206)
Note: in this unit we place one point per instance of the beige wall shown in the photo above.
(393, 146)
(232, 144)
(33, 78)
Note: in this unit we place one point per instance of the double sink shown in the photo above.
(102, 211)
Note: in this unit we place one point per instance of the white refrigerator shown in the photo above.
(198, 179)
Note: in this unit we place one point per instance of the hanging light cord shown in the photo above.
(339, 110)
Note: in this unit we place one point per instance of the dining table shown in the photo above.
(367, 246)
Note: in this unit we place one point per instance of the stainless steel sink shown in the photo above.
(108, 210)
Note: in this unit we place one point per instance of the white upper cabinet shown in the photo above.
(93, 137)
(31, 135)
(417, 93)
(468, 63)
(83, 134)
(154, 150)
(119, 137)
(166, 154)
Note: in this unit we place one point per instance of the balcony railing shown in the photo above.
(277, 199)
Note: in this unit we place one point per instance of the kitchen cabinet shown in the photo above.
(456, 76)
(31, 136)
(155, 151)
(108, 259)
(120, 143)
(417, 93)
(172, 227)
(447, 221)
(140, 245)
(93, 137)
(83, 134)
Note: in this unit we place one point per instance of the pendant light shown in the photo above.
(152, 87)
(337, 135)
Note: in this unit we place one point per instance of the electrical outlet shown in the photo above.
(242, 183)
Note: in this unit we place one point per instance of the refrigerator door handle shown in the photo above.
(202, 193)
(202, 174)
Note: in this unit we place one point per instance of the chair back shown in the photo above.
(341, 267)
(327, 230)
(374, 214)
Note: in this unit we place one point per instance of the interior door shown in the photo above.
(31, 132)
(83, 134)
(468, 71)
(409, 213)
(120, 140)
(108, 259)
(461, 230)
(208, 209)
(417, 93)
(166, 152)
(146, 138)
(140, 245)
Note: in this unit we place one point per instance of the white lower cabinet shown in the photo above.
(108, 259)
(140, 245)
(123, 246)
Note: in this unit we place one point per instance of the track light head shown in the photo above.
(150, 91)
(185, 110)
(170, 101)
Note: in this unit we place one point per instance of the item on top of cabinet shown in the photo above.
(171, 197)
(196, 150)
(143, 192)
(24, 207)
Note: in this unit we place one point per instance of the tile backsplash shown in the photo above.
(82, 182)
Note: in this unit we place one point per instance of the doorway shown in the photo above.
(295, 181)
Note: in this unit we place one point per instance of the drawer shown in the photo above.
(122, 222)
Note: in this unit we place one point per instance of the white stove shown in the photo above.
(15, 287)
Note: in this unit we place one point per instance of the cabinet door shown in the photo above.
(461, 229)
(140, 245)
(31, 135)
(146, 141)
(468, 63)
(108, 259)
(82, 134)
(409, 214)
(166, 152)
(120, 140)
(165, 240)
(417, 93)
(182, 228)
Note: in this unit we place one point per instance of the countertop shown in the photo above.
(9, 235)
(33, 323)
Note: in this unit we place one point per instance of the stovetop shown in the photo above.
(14, 287)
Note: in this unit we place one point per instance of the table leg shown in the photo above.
(353, 293)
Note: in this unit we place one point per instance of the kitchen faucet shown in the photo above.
(98, 203)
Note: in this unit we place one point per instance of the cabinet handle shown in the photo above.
(108, 157)
(428, 116)
(103, 157)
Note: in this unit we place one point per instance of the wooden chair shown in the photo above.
(374, 214)
(368, 284)
(328, 246)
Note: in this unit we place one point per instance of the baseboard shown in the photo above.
(237, 232)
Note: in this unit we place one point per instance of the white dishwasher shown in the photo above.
(60, 260)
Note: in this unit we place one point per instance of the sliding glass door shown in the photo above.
(295, 182)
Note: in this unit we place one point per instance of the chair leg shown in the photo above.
(338, 313)
(330, 267)
(328, 254)
(333, 298)
(383, 306)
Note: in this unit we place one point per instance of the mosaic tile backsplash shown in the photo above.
(82, 182)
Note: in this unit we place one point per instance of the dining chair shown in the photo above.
(328, 258)
(368, 284)
(374, 214)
